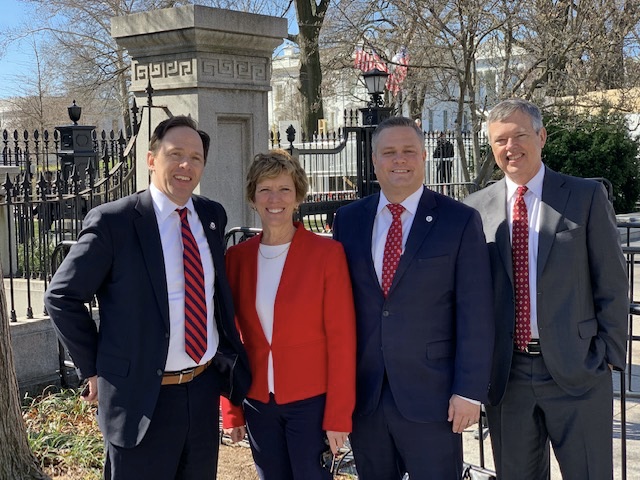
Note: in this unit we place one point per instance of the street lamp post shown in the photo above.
(375, 111)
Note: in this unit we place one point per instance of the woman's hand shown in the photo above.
(336, 440)
(236, 433)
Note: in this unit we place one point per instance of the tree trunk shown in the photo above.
(17, 462)
(310, 18)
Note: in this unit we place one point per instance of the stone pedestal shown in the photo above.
(214, 65)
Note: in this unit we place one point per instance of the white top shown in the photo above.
(171, 239)
(382, 223)
(532, 199)
(271, 259)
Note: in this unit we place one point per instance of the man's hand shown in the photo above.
(90, 392)
(462, 413)
(236, 433)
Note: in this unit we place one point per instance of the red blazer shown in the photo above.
(314, 337)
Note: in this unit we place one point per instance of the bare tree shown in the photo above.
(17, 462)
(310, 14)
(473, 53)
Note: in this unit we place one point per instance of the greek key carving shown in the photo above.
(161, 70)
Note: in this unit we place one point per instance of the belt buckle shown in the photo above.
(189, 371)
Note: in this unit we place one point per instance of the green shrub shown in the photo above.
(596, 146)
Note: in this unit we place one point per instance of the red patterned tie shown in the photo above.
(520, 252)
(195, 303)
(392, 247)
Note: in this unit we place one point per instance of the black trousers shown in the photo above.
(183, 436)
(287, 440)
(386, 445)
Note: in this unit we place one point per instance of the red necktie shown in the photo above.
(520, 252)
(195, 303)
(392, 247)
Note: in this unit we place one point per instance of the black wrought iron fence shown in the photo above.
(43, 201)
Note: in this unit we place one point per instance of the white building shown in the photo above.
(343, 91)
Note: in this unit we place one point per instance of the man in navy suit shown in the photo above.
(158, 405)
(424, 333)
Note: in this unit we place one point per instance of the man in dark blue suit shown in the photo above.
(425, 333)
(158, 393)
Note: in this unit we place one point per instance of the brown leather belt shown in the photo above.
(533, 348)
(184, 376)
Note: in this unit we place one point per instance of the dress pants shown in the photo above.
(535, 411)
(287, 440)
(182, 440)
(386, 445)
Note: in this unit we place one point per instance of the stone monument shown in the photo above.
(214, 65)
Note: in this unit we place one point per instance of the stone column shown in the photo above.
(214, 65)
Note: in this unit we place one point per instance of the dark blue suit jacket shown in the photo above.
(119, 258)
(433, 334)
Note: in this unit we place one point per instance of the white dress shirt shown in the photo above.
(533, 199)
(382, 223)
(171, 239)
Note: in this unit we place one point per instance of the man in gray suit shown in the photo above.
(560, 325)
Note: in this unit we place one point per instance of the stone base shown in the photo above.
(35, 354)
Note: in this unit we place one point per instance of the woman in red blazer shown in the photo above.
(294, 309)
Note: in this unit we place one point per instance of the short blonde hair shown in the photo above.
(270, 165)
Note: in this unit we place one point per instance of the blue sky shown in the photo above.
(16, 60)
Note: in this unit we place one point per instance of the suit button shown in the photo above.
(385, 313)
(159, 372)
(166, 335)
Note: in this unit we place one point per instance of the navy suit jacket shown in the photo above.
(433, 334)
(119, 258)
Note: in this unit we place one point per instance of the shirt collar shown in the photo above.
(165, 207)
(534, 185)
(410, 203)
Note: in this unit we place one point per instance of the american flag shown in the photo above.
(401, 60)
(366, 61)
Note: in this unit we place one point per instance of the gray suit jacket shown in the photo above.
(582, 284)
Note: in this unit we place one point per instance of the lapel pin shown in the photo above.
(429, 218)
(212, 226)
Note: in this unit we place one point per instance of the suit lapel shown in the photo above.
(425, 217)
(210, 225)
(498, 222)
(552, 206)
(146, 226)
(366, 234)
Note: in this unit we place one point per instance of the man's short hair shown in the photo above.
(173, 122)
(396, 122)
(507, 107)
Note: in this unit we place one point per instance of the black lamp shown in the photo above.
(74, 112)
(375, 81)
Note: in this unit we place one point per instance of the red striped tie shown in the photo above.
(195, 303)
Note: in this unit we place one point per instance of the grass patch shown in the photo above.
(63, 434)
